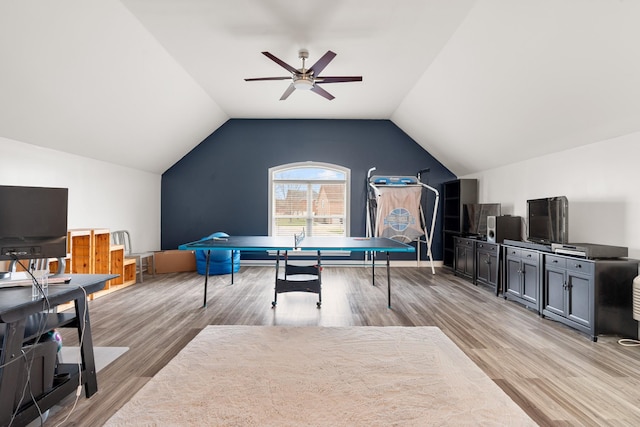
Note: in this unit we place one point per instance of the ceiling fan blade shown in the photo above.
(267, 78)
(317, 68)
(322, 92)
(338, 79)
(288, 92)
(281, 63)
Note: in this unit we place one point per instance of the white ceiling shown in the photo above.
(478, 84)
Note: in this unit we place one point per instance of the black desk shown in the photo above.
(22, 319)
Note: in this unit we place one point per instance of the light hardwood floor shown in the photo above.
(557, 375)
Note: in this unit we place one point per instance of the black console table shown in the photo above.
(478, 261)
(594, 296)
(23, 320)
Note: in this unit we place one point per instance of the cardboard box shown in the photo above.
(175, 261)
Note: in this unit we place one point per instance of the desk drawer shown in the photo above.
(580, 265)
(555, 261)
(526, 254)
(464, 242)
(513, 252)
(491, 248)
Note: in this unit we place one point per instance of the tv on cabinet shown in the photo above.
(475, 217)
(548, 220)
(33, 222)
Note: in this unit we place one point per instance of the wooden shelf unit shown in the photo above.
(101, 251)
(79, 246)
(91, 252)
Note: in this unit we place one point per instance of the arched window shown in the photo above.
(310, 195)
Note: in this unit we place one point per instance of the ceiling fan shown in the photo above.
(307, 78)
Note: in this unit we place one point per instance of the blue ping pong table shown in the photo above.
(299, 243)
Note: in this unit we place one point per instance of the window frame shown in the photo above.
(317, 165)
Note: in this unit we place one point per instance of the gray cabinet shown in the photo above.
(522, 276)
(478, 261)
(464, 261)
(568, 287)
(593, 296)
(487, 264)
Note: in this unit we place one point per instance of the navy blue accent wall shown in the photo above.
(222, 184)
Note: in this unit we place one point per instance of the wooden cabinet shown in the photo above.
(464, 260)
(101, 251)
(522, 276)
(455, 194)
(487, 264)
(593, 296)
(91, 252)
(79, 247)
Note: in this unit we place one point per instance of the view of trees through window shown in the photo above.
(309, 195)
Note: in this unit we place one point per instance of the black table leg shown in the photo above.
(319, 303)
(275, 287)
(388, 281)
(10, 371)
(86, 348)
(206, 278)
(373, 268)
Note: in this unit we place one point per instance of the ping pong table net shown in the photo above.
(298, 238)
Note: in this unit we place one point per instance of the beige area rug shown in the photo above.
(320, 376)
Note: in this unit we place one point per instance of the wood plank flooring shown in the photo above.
(557, 375)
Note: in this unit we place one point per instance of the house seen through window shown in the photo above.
(311, 196)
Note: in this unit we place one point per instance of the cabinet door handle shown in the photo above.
(555, 261)
(529, 256)
(578, 266)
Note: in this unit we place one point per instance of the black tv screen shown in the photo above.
(548, 220)
(475, 217)
(33, 222)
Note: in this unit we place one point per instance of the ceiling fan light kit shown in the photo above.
(307, 79)
(303, 83)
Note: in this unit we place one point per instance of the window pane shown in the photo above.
(328, 227)
(330, 200)
(291, 199)
(309, 174)
(289, 226)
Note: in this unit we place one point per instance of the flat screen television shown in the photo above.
(548, 220)
(475, 217)
(33, 222)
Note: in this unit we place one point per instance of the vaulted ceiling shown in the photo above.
(478, 84)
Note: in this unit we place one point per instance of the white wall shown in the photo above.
(601, 181)
(101, 195)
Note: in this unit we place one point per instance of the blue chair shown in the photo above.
(219, 261)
